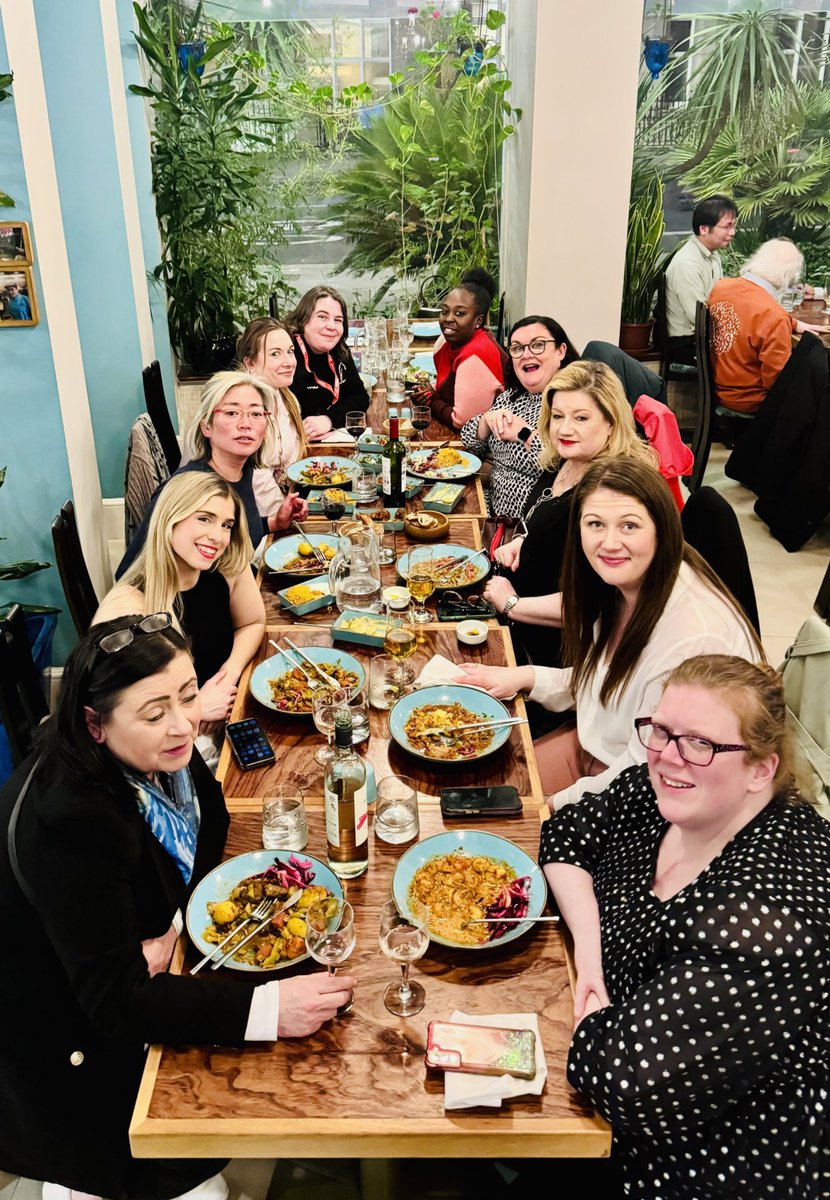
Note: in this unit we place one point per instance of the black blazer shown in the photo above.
(77, 1001)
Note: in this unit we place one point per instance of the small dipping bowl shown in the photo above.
(471, 633)
(398, 598)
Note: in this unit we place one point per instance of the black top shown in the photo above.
(711, 1061)
(257, 525)
(540, 566)
(206, 619)
(317, 400)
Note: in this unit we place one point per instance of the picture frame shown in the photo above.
(15, 244)
(18, 302)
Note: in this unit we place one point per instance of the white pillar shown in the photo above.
(56, 281)
(568, 170)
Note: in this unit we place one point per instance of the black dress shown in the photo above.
(314, 384)
(711, 1062)
(207, 621)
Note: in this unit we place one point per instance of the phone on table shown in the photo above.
(500, 801)
(481, 1049)
(464, 610)
(250, 746)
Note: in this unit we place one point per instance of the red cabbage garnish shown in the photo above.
(512, 901)
(297, 872)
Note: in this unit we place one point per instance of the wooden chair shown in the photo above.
(77, 585)
(156, 402)
(22, 702)
(701, 440)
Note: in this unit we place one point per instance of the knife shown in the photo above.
(234, 949)
(328, 678)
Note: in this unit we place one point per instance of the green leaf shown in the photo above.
(6, 200)
(494, 19)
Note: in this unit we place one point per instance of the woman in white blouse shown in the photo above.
(267, 350)
(635, 602)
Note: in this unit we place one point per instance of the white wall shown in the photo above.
(567, 173)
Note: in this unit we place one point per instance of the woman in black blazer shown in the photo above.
(102, 836)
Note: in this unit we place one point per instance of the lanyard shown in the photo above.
(335, 391)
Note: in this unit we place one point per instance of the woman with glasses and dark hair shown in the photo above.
(635, 601)
(195, 564)
(327, 382)
(506, 433)
(696, 892)
(232, 433)
(104, 832)
(583, 418)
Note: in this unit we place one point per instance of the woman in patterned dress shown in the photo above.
(696, 891)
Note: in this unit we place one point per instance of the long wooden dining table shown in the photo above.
(359, 1087)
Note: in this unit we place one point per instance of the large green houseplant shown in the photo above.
(644, 261)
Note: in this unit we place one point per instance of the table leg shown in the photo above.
(379, 1179)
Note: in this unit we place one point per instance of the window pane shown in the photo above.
(348, 75)
(347, 39)
(320, 37)
(376, 39)
(377, 74)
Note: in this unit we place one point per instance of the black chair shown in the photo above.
(77, 585)
(701, 433)
(22, 702)
(273, 306)
(671, 372)
(501, 320)
(711, 526)
(159, 413)
(822, 604)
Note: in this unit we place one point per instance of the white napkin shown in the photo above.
(336, 435)
(463, 1090)
(440, 671)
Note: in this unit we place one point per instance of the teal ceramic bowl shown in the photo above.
(280, 664)
(485, 707)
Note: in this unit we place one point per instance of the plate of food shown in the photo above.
(455, 567)
(466, 874)
(443, 464)
(294, 555)
(446, 706)
(279, 685)
(222, 900)
(324, 470)
(302, 598)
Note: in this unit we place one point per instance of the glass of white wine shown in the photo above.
(420, 580)
(400, 641)
(404, 938)
(330, 934)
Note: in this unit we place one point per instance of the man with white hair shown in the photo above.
(751, 333)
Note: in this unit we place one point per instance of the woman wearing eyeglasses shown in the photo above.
(506, 433)
(103, 835)
(232, 434)
(635, 602)
(696, 891)
(195, 564)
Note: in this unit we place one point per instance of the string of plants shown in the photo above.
(244, 136)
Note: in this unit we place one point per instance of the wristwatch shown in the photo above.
(524, 434)
(511, 602)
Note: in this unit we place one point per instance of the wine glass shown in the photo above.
(324, 705)
(400, 642)
(403, 939)
(334, 509)
(421, 417)
(401, 334)
(421, 582)
(330, 935)
(355, 423)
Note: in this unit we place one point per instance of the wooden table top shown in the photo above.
(295, 738)
(359, 1088)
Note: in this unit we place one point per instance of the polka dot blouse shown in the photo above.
(711, 1063)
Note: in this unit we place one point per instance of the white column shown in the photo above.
(568, 171)
(56, 282)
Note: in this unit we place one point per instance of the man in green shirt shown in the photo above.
(695, 269)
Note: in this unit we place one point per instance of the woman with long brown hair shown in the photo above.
(326, 381)
(635, 602)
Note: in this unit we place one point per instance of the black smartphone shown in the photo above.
(250, 746)
(500, 801)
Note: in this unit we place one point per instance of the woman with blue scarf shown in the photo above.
(103, 833)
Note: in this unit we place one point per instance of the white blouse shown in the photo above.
(267, 490)
(695, 621)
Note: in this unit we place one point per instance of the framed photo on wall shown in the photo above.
(18, 303)
(15, 244)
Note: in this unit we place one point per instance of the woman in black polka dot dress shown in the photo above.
(696, 890)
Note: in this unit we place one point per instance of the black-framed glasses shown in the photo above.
(698, 751)
(111, 643)
(537, 346)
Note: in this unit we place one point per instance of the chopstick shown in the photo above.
(328, 678)
(495, 724)
(318, 554)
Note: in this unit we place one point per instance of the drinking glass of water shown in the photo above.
(404, 939)
(365, 488)
(396, 810)
(284, 824)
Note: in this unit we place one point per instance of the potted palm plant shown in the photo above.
(644, 260)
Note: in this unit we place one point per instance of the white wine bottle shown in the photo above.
(347, 820)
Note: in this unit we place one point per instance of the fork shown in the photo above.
(312, 682)
(259, 914)
(330, 680)
(448, 734)
(318, 554)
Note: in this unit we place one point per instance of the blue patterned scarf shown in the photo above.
(172, 813)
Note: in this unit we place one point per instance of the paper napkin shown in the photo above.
(440, 671)
(463, 1090)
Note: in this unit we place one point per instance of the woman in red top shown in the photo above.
(470, 364)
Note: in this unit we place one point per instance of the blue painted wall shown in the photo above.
(31, 430)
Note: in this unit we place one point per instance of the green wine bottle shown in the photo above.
(393, 469)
